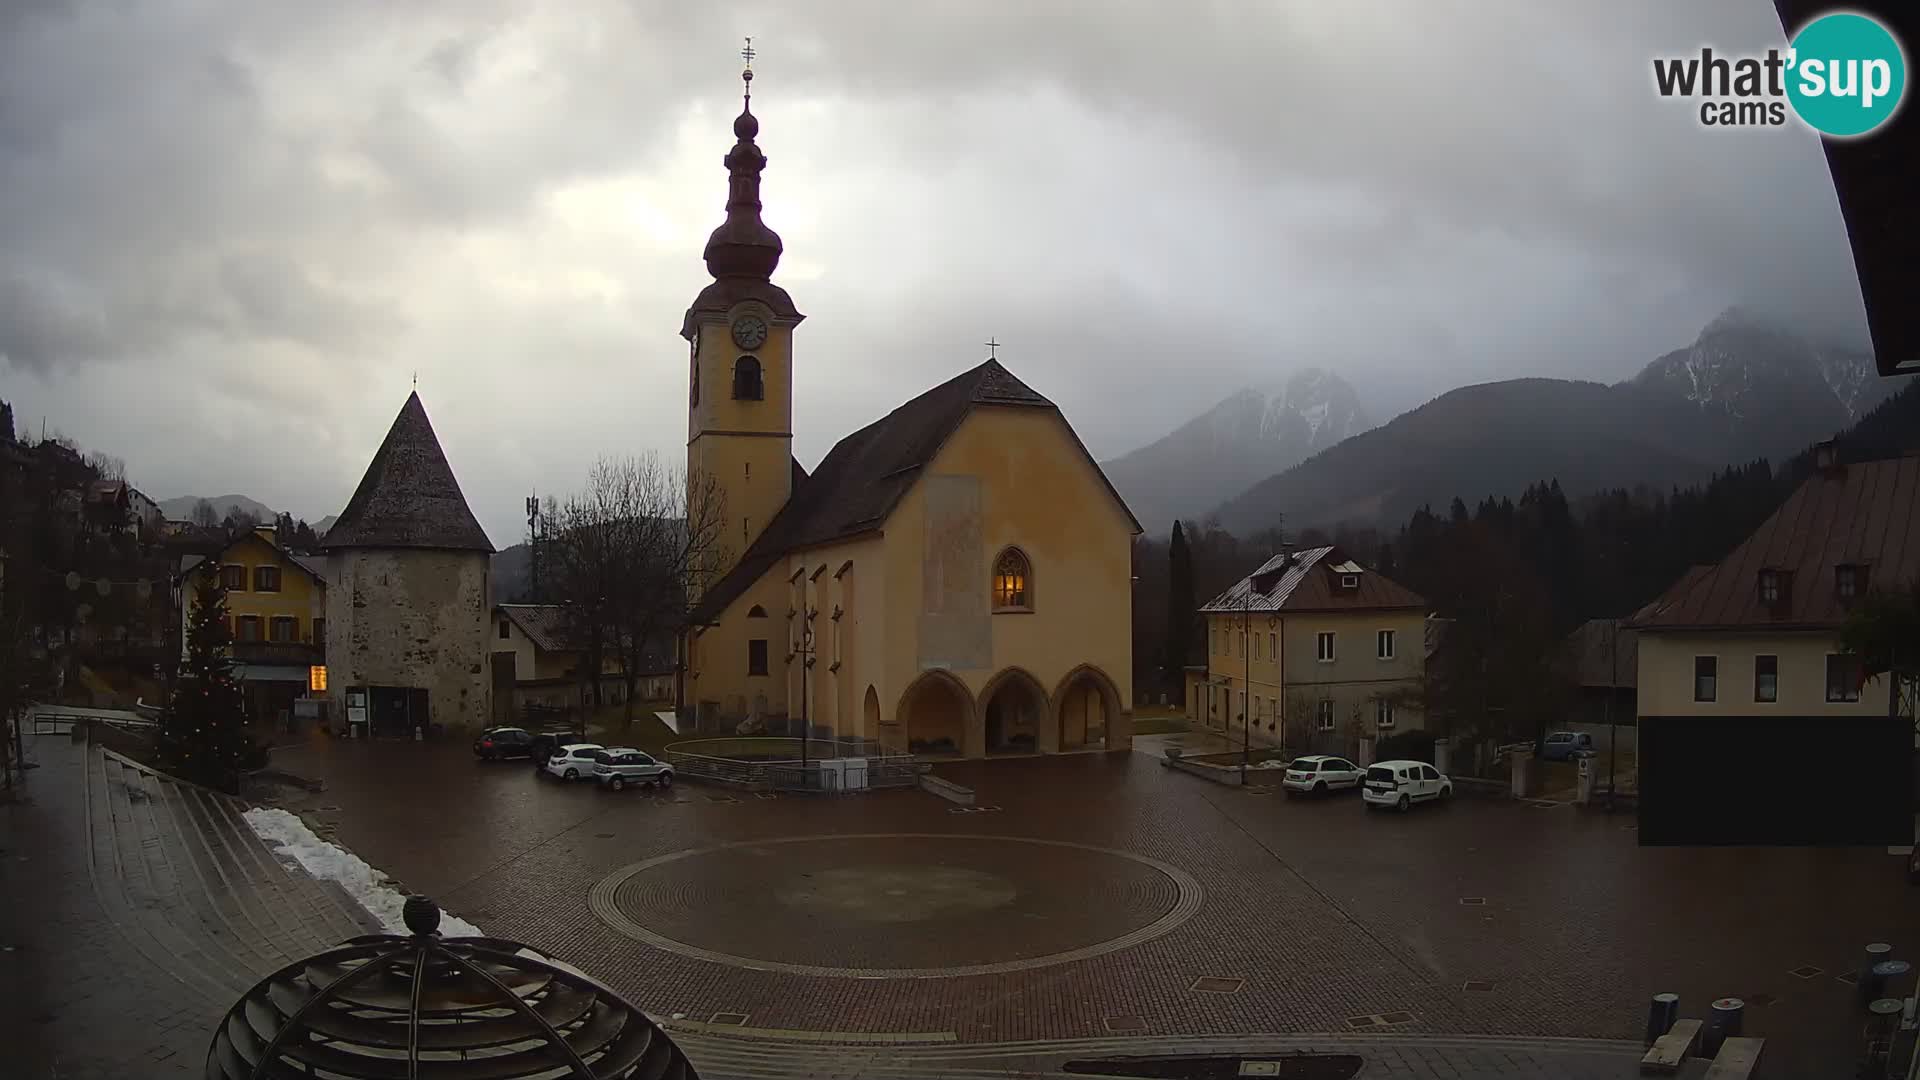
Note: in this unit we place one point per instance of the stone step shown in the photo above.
(283, 929)
(329, 915)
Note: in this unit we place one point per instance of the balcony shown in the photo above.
(281, 653)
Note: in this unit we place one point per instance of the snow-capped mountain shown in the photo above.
(1251, 435)
(1763, 381)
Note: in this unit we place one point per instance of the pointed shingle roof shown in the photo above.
(408, 498)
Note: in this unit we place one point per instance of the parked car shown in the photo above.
(573, 761)
(1319, 773)
(546, 742)
(1565, 745)
(1400, 784)
(503, 742)
(618, 766)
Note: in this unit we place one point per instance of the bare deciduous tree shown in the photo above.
(626, 556)
(204, 515)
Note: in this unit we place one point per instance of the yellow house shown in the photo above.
(276, 616)
(954, 578)
(1316, 651)
(1740, 662)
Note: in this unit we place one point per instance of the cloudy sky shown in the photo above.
(232, 233)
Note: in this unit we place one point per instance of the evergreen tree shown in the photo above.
(203, 734)
(1181, 611)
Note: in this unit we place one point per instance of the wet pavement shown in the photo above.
(1480, 917)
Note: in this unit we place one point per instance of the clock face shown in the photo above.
(749, 332)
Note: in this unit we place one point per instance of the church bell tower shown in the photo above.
(739, 331)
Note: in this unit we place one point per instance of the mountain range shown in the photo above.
(1745, 388)
(1246, 438)
(180, 508)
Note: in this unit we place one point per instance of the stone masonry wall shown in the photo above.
(404, 617)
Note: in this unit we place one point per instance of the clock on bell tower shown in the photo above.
(740, 336)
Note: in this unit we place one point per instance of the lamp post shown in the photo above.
(805, 652)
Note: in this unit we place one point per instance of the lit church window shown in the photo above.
(1010, 584)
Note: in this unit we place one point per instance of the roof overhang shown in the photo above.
(1873, 183)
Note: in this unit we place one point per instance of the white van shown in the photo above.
(1400, 784)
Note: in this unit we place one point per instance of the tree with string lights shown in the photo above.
(203, 735)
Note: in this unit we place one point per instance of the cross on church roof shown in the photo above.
(993, 349)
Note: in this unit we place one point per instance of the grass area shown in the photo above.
(1159, 722)
(608, 725)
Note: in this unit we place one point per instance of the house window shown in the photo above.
(1769, 587)
(1323, 715)
(1383, 644)
(1256, 648)
(284, 629)
(1273, 646)
(266, 579)
(1843, 678)
(1349, 581)
(756, 612)
(233, 578)
(746, 380)
(1766, 678)
(1323, 646)
(1706, 670)
(320, 632)
(1383, 713)
(249, 628)
(506, 631)
(1011, 574)
(757, 656)
(1256, 708)
(1846, 581)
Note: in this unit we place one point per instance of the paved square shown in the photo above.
(887, 913)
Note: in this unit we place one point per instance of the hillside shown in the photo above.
(1250, 435)
(181, 507)
(1742, 390)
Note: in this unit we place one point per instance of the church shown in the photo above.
(955, 578)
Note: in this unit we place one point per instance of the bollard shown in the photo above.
(1875, 953)
(1661, 1014)
(1881, 979)
(1723, 1021)
(1883, 1017)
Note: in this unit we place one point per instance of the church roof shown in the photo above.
(408, 498)
(865, 475)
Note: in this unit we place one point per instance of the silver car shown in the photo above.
(618, 766)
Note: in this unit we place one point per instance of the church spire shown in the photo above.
(743, 246)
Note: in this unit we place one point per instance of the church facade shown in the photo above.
(952, 579)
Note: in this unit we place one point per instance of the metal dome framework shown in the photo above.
(397, 1007)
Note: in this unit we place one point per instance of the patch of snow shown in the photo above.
(294, 843)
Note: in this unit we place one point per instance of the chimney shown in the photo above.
(1826, 457)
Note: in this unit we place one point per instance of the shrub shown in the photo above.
(1413, 745)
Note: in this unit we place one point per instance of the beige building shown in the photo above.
(408, 578)
(1758, 634)
(537, 661)
(1740, 668)
(1316, 651)
(954, 578)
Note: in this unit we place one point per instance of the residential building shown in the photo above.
(1601, 659)
(954, 578)
(408, 601)
(1740, 668)
(1315, 651)
(276, 615)
(538, 660)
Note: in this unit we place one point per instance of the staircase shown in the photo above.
(192, 887)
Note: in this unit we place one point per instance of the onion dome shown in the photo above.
(400, 1007)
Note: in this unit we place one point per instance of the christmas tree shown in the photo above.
(203, 734)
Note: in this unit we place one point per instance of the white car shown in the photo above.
(1320, 773)
(572, 761)
(618, 766)
(1400, 784)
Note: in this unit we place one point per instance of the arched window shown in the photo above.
(1012, 582)
(756, 612)
(746, 380)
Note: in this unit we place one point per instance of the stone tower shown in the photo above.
(408, 593)
(740, 369)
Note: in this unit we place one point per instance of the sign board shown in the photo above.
(317, 677)
(356, 716)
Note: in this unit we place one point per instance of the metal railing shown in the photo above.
(772, 762)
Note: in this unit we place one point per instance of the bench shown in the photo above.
(1671, 1050)
(1736, 1059)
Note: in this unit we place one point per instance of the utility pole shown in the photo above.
(1246, 685)
(533, 547)
(1613, 732)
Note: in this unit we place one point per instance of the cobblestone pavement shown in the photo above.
(1484, 918)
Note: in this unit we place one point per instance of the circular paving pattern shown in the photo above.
(896, 905)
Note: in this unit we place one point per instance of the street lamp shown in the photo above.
(805, 651)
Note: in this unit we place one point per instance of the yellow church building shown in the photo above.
(954, 578)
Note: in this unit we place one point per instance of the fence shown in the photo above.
(763, 763)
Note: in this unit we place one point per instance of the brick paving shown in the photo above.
(1325, 912)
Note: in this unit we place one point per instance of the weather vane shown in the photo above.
(993, 349)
